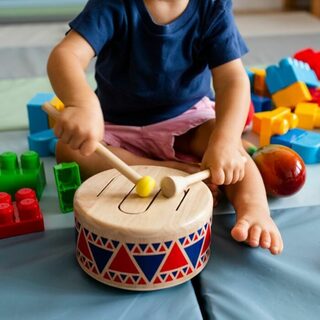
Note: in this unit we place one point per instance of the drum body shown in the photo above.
(141, 243)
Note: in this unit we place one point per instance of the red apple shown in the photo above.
(282, 169)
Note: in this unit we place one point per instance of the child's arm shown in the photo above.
(81, 124)
(224, 154)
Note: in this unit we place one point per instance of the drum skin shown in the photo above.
(136, 243)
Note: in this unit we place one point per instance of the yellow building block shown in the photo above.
(260, 87)
(269, 123)
(58, 104)
(292, 95)
(309, 115)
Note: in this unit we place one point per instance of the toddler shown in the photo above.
(154, 104)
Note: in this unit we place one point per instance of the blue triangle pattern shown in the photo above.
(135, 278)
(130, 246)
(174, 273)
(104, 240)
(86, 231)
(94, 236)
(115, 243)
(100, 256)
(143, 246)
(155, 245)
(168, 244)
(199, 231)
(193, 251)
(111, 274)
(149, 264)
(123, 276)
(185, 269)
(191, 236)
(163, 275)
(181, 240)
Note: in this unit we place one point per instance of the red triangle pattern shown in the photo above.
(141, 281)
(157, 280)
(123, 263)
(129, 281)
(106, 276)
(207, 241)
(109, 245)
(150, 250)
(117, 279)
(175, 259)
(137, 250)
(83, 246)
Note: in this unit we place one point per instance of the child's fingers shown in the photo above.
(76, 142)
(217, 176)
(88, 147)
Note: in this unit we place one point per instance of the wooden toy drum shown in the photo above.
(141, 243)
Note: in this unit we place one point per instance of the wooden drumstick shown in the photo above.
(144, 185)
(172, 185)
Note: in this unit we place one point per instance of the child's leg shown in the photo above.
(94, 164)
(254, 224)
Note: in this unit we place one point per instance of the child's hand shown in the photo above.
(226, 161)
(81, 126)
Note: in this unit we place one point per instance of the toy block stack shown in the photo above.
(294, 88)
(26, 173)
(260, 95)
(67, 178)
(21, 216)
(41, 137)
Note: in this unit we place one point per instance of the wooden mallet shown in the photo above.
(173, 185)
(144, 185)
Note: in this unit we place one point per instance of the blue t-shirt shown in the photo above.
(147, 73)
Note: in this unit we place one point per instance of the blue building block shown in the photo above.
(261, 103)
(44, 142)
(251, 78)
(38, 119)
(305, 143)
(290, 71)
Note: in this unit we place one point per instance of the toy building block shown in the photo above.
(251, 78)
(289, 72)
(309, 115)
(44, 142)
(20, 217)
(315, 94)
(67, 177)
(269, 123)
(311, 57)
(292, 95)
(305, 143)
(58, 105)
(38, 119)
(259, 86)
(261, 103)
(29, 173)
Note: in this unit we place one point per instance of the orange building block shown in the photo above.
(269, 123)
(260, 87)
(292, 95)
(58, 104)
(309, 115)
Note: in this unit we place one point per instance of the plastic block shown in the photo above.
(67, 177)
(251, 78)
(305, 143)
(56, 103)
(311, 57)
(260, 86)
(43, 142)
(38, 119)
(261, 103)
(28, 173)
(22, 216)
(290, 71)
(269, 123)
(315, 94)
(291, 96)
(309, 115)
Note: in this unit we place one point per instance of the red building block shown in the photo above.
(311, 57)
(22, 216)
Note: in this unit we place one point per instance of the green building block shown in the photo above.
(26, 173)
(67, 177)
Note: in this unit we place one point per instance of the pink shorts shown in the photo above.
(156, 141)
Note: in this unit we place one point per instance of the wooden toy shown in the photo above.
(277, 121)
(309, 115)
(144, 185)
(292, 95)
(141, 243)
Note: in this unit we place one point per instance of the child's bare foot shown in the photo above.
(255, 227)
